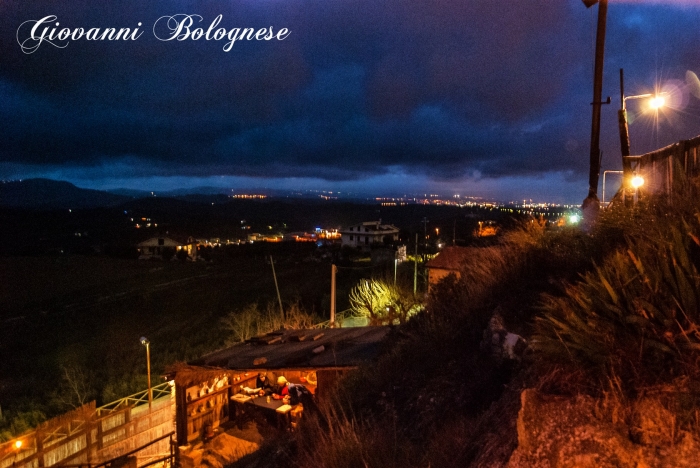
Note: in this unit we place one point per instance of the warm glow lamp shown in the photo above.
(637, 181)
(144, 341)
(657, 102)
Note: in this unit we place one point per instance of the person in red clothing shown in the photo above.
(281, 391)
(293, 394)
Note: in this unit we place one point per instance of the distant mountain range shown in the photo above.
(47, 194)
(132, 193)
(54, 194)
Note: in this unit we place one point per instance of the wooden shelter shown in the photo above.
(448, 262)
(204, 388)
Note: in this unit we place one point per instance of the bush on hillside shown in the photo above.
(430, 387)
(252, 320)
(637, 314)
(383, 303)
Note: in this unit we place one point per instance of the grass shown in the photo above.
(433, 399)
(628, 331)
(636, 315)
(615, 316)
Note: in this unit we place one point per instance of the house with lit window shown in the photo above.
(155, 247)
(369, 232)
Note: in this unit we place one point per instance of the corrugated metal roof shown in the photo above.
(315, 348)
(451, 258)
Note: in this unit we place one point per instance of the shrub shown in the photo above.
(636, 315)
(251, 320)
(383, 303)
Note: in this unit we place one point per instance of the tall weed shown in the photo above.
(636, 315)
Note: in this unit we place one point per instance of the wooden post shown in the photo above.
(415, 269)
(334, 269)
(172, 451)
(148, 371)
(279, 298)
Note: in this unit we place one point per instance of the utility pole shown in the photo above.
(624, 138)
(415, 269)
(591, 205)
(334, 269)
(425, 231)
(279, 298)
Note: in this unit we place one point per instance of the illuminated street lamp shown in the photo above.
(144, 341)
(637, 181)
(655, 102)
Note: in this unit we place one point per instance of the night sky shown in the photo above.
(478, 97)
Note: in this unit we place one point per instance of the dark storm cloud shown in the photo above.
(441, 88)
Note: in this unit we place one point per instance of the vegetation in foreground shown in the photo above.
(613, 314)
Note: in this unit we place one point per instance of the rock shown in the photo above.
(191, 458)
(221, 451)
(653, 424)
(558, 432)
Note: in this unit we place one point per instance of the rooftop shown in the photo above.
(372, 226)
(311, 348)
(451, 258)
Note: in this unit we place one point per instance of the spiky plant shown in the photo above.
(637, 314)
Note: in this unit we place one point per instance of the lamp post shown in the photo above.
(144, 341)
(655, 102)
(636, 182)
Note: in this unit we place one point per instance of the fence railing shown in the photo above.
(89, 436)
(137, 399)
(662, 168)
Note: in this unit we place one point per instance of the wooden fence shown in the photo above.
(90, 436)
(662, 169)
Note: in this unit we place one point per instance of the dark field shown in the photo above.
(89, 312)
(72, 308)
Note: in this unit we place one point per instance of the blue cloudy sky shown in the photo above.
(399, 96)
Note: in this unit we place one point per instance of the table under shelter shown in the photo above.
(215, 388)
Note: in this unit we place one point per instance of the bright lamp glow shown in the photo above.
(573, 219)
(18, 444)
(637, 181)
(657, 102)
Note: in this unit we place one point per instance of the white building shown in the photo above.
(369, 232)
(153, 248)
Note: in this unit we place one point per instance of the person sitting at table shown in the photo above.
(281, 391)
(299, 394)
(263, 383)
(294, 394)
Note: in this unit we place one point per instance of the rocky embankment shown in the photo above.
(558, 432)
